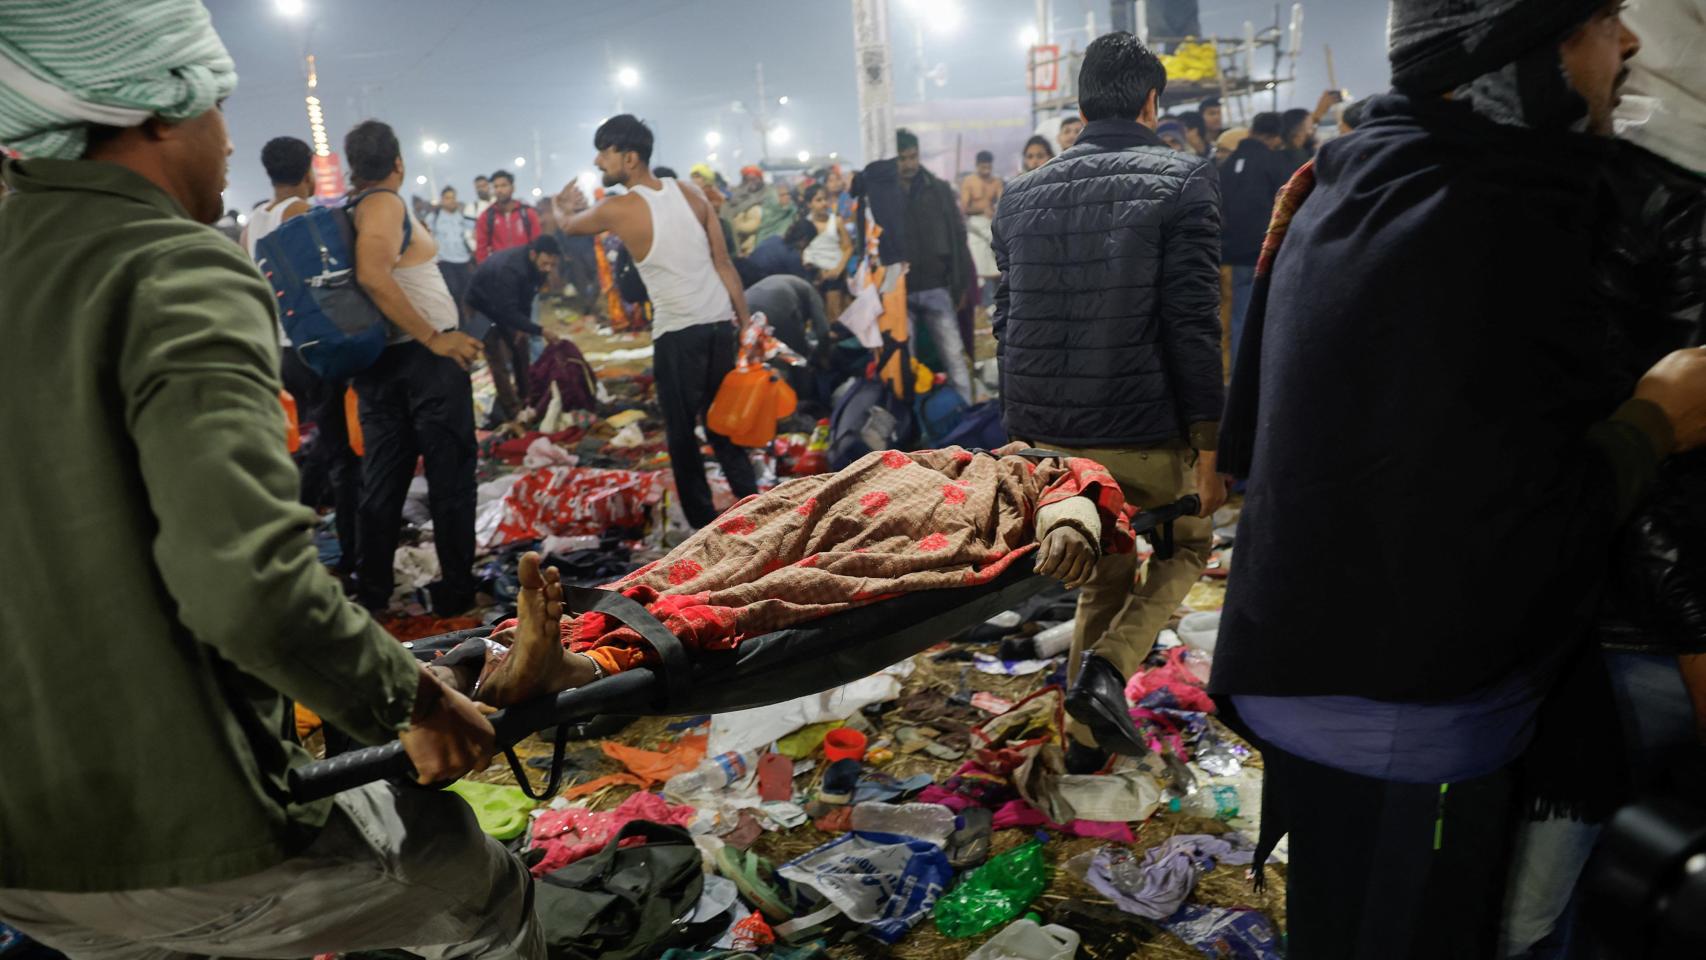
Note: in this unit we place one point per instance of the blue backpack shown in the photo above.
(309, 260)
(980, 428)
(939, 412)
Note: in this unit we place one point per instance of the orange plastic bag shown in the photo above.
(292, 426)
(352, 421)
(781, 401)
(741, 401)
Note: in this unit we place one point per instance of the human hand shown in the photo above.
(457, 346)
(1328, 99)
(571, 199)
(1211, 485)
(1067, 555)
(448, 737)
(1677, 386)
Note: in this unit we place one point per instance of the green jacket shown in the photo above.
(160, 594)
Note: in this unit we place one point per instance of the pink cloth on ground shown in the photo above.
(570, 834)
(1174, 676)
(1019, 813)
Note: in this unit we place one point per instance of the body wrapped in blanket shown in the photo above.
(890, 524)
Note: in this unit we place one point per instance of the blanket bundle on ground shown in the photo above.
(892, 523)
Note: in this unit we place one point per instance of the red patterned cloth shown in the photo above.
(890, 524)
(563, 501)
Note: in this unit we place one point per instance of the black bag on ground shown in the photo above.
(623, 903)
(867, 417)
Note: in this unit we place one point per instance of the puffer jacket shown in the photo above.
(1107, 314)
(1655, 276)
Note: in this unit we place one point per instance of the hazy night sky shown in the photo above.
(484, 75)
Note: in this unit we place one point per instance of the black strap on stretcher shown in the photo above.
(615, 695)
(671, 655)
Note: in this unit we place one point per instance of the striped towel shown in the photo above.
(65, 64)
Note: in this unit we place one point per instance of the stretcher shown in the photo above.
(764, 670)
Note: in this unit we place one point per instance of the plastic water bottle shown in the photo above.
(713, 773)
(1053, 641)
(1224, 798)
(1048, 642)
(930, 822)
(1212, 801)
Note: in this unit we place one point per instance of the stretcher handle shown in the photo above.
(1188, 505)
(323, 778)
(1146, 523)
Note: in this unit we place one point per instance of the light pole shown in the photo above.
(873, 64)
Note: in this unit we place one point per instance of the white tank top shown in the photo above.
(424, 285)
(264, 220)
(684, 286)
(824, 252)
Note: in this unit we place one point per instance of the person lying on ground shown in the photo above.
(893, 523)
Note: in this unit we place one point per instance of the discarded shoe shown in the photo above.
(880, 786)
(1097, 700)
(969, 845)
(840, 780)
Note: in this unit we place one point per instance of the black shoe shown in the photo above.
(1097, 700)
(1082, 760)
(446, 603)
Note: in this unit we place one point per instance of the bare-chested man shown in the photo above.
(979, 193)
(698, 302)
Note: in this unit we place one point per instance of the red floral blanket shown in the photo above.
(892, 523)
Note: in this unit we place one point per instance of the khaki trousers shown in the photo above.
(1120, 612)
(393, 867)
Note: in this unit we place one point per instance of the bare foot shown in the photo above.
(536, 663)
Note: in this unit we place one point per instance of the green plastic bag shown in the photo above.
(994, 893)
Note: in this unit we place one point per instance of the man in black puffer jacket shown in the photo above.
(1108, 322)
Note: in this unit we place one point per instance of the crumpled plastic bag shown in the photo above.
(884, 881)
(994, 893)
(743, 730)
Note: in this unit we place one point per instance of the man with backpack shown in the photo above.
(416, 401)
(329, 462)
(1107, 320)
(188, 604)
(506, 223)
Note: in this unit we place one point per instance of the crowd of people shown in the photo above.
(1463, 407)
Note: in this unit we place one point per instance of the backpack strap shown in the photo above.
(408, 218)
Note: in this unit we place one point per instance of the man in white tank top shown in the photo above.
(416, 401)
(698, 303)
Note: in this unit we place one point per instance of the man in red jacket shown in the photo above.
(506, 223)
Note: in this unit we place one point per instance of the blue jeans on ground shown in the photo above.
(1657, 718)
(1243, 278)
